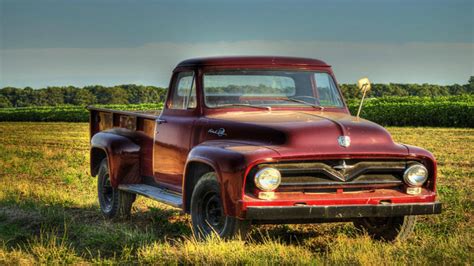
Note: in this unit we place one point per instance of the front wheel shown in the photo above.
(387, 228)
(207, 213)
(113, 202)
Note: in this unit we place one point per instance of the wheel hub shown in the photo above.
(213, 212)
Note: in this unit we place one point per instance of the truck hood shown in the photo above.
(304, 133)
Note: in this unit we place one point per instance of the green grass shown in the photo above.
(49, 213)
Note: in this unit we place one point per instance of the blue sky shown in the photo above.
(81, 42)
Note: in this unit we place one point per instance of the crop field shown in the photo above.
(440, 111)
(49, 212)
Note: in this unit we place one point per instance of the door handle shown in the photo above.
(160, 121)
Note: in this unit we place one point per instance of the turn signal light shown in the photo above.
(266, 195)
(413, 190)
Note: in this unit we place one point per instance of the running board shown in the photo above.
(158, 194)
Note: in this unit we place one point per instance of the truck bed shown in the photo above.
(150, 114)
(103, 118)
(138, 125)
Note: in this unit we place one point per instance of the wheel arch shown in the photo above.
(96, 156)
(123, 157)
(229, 167)
(194, 170)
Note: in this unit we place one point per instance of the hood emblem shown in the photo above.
(344, 141)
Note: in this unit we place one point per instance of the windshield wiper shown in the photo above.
(303, 102)
(245, 105)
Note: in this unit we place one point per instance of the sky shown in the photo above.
(84, 42)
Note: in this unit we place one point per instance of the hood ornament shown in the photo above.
(343, 166)
(344, 141)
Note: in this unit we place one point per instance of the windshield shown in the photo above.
(270, 89)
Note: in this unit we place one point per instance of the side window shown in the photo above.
(184, 92)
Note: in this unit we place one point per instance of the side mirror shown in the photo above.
(364, 86)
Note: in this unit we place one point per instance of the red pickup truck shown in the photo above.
(252, 140)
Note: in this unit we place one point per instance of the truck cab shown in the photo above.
(251, 140)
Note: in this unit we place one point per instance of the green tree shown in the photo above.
(109, 95)
(83, 97)
(41, 98)
(55, 96)
(470, 85)
(4, 102)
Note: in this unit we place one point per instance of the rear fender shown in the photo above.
(123, 157)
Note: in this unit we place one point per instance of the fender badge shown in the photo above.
(219, 132)
(344, 141)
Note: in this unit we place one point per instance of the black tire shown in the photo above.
(113, 202)
(387, 228)
(207, 213)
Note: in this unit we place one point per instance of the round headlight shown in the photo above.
(415, 175)
(268, 179)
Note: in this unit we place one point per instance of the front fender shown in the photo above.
(123, 157)
(229, 160)
(428, 160)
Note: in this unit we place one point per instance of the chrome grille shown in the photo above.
(334, 174)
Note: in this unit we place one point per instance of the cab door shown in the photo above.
(174, 129)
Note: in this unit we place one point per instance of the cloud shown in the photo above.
(151, 64)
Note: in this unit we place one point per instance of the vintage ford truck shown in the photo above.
(252, 140)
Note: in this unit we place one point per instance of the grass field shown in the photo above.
(49, 213)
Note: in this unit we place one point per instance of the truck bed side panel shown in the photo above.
(138, 127)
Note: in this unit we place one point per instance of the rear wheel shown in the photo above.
(387, 228)
(207, 212)
(113, 202)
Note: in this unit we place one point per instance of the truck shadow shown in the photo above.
(28, 221)
(165, 223)
(84, 228)
(312, 235)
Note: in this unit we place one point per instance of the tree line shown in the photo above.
(70, 95)
(350, 91)
(134, 94)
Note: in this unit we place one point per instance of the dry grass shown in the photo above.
(49, 213)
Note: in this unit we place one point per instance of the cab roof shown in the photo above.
(270, 61)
